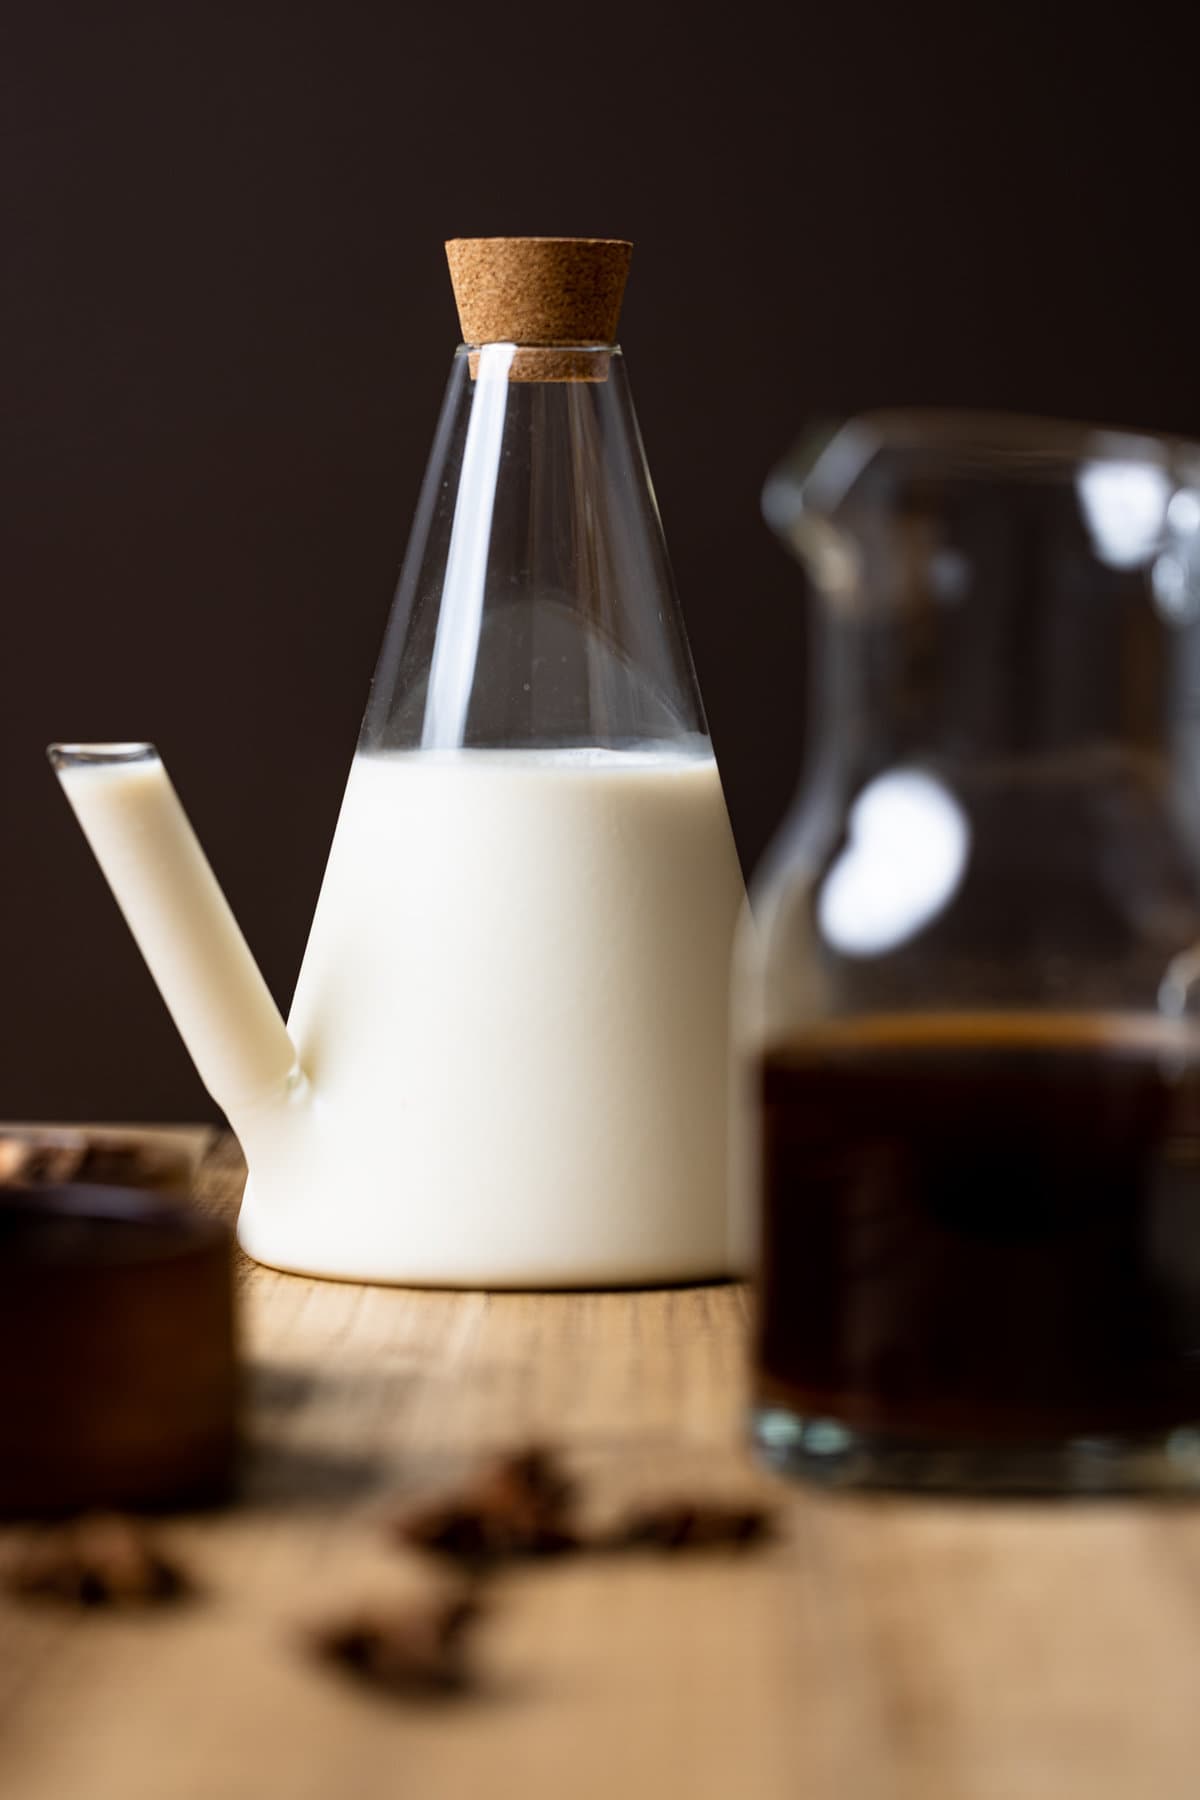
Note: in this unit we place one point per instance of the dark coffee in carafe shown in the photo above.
(983, 1228)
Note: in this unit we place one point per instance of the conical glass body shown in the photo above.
(969, 1021)
(536, 606)
(513, 1008)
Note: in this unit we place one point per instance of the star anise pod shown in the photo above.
(102, 1560)
(408, 1646)
(686, 1524)
(519, 1505)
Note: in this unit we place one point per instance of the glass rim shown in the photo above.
(823, 468)
(100, 754)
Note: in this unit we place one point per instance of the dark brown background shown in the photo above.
(226, 326)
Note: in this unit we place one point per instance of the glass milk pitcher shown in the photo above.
(968, 1027)
(506, 1059)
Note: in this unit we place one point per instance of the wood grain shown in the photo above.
(905, 1650)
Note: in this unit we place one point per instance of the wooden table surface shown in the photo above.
(893, 1648)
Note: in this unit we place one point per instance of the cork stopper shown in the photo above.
(546, 295)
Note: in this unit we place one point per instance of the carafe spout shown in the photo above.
(131, 816)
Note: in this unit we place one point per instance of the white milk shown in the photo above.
(513, 1015)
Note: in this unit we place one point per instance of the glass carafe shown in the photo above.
(967, 1033)
(506, 1060)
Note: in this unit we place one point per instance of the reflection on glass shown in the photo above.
(1124, 505)
(903, 863)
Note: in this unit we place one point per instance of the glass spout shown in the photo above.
(131, 816)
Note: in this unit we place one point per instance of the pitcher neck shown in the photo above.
(998, 588)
